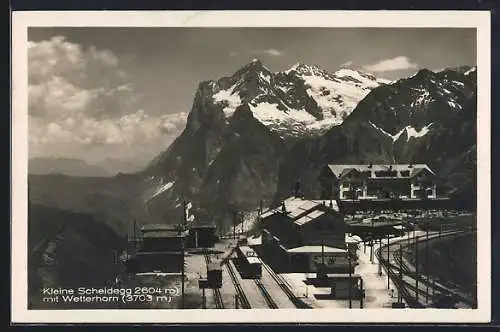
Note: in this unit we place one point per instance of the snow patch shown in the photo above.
(335, 98)
(410, 132)
(384, 81)
(266, 113)
(162, 189)
(265, 77)
(454, 105)
(230, 99)
(468, 72)
(421, 99)
(393, 137)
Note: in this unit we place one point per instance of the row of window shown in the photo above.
(383, 174)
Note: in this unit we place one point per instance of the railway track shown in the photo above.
(430, 286)
(269, 299)
(408, 288)
(243, 300)
(281, 282)
(219, 304)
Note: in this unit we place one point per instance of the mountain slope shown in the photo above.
(237, 131)
(68, 250)
(114, 201)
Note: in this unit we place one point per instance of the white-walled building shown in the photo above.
(406, 181)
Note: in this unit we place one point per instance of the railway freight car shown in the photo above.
(249, 263)
(214, 275)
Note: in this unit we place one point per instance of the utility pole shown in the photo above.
(236, 304)
(371, 244)
(361, 293)
(400, 296)
(388, 262)
(350, 279)
(203, 298)
(242, 223)
(380, 261)
(408, 237)
(234, 224)
(184, 217)
(417, 275)
(134, 240)
(182, 253)
(128, 246)
(323, 253)
(427, 264)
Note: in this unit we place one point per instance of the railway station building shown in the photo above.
(306, 234)
(381, 181)
(201, 236)
(160, 249)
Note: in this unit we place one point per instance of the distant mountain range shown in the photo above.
(77, 167)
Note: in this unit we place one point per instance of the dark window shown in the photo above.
(405, 173)
(386, 173)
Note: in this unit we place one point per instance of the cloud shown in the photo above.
(270, 51)
(79, 97)
(129, 129)
(347, 64)
(397, 63)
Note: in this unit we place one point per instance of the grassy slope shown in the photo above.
(68, 249)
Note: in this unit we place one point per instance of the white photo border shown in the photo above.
(480, 20)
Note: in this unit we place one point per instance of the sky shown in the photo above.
(125, 93)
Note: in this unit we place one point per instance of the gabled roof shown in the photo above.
(301, 211)
(157, 227)
(164, 234)
(401, 170)
(309, 217)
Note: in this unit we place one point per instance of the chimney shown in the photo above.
(411, 165)
(370, 165)
(283, 208)
(331, 204)
(297, 189)
(362, 162)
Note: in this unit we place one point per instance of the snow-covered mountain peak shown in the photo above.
(255, 65)
(307, 95)
(308, 70)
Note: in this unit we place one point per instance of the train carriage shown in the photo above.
(214, 275)
(249, 263)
